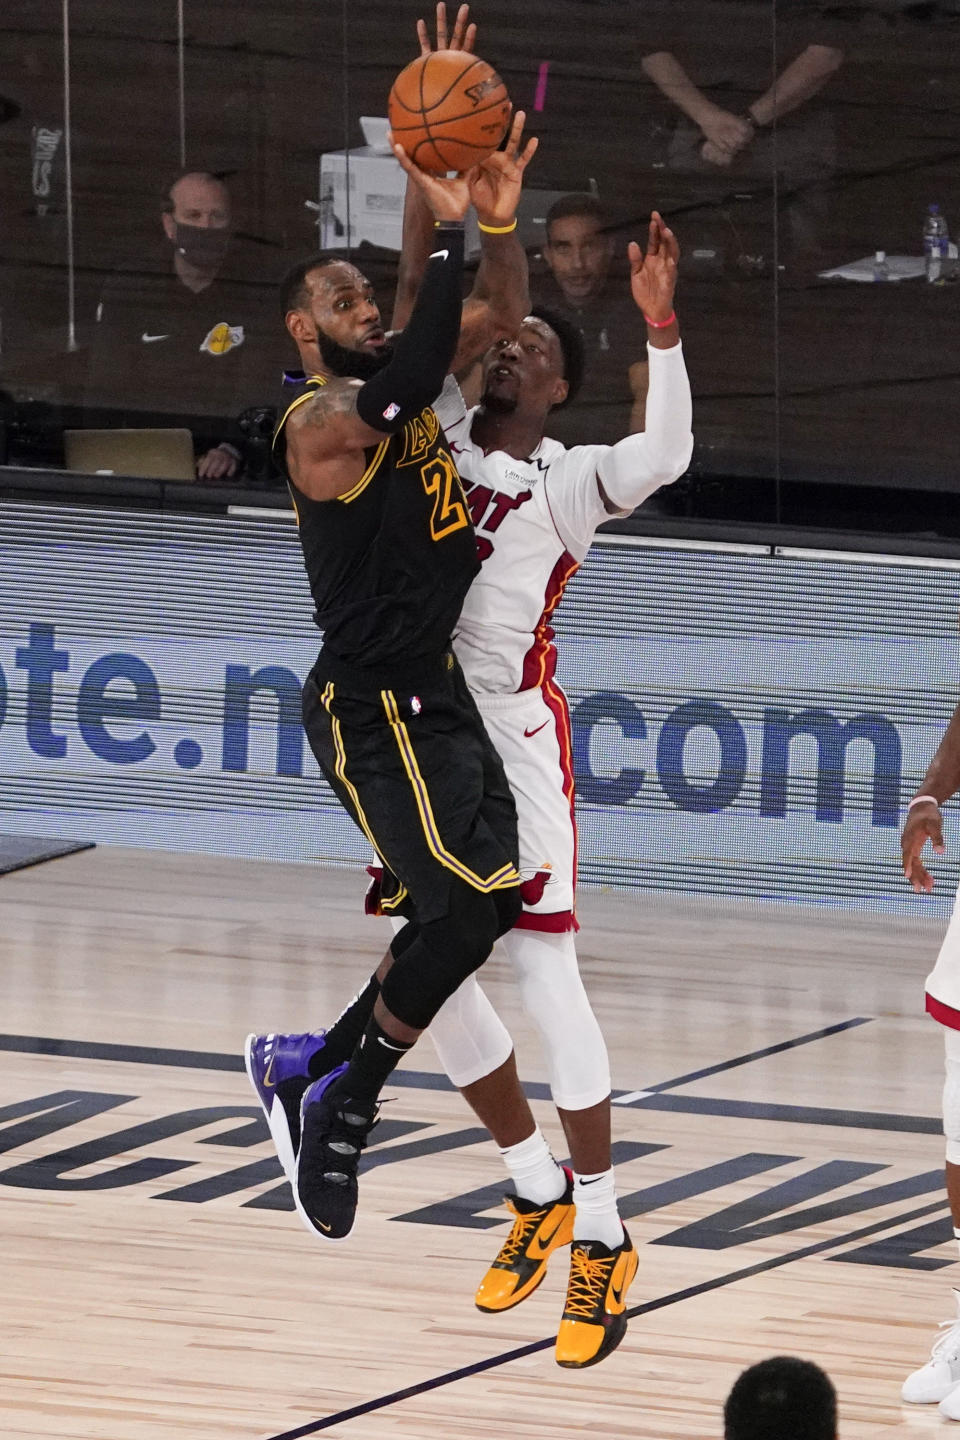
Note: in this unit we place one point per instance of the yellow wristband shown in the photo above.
(497, 229)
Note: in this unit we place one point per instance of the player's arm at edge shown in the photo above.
(327, 435)
(924, 821)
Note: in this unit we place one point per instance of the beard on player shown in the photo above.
(355, 364)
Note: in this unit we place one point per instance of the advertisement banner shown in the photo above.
(746, 725)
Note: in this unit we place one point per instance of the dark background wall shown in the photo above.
(802, 384)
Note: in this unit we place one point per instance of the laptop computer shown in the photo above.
(147, 454)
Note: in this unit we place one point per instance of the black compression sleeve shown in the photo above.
(423, 353)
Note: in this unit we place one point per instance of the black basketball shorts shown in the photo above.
(422, 780)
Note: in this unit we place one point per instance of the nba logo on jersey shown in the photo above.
(392, 411)
(415, 705)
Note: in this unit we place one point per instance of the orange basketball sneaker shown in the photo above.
(595, 1316)
(537, 1231)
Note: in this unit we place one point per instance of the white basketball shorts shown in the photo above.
(943, 983)
(531, 732)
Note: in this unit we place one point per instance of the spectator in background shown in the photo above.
(783, 1398)
(582, 285)
(718, 77)
(185, 335)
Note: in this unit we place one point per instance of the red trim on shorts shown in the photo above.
(540, 660)
(944, 1013)
(554, 922)
(556, 703)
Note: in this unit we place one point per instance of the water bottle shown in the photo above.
(881, 270)
(936, 242)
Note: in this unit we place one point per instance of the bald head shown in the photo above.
(197, 198)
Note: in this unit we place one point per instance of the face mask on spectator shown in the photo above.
(202, 246)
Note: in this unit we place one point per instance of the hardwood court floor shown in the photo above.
(156, 1283)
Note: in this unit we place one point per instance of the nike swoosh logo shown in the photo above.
(529, 733)
(440, 255)
(618, 1288)
(538, 1245)
(328, 1228)
(151, 339)
(590, 1182)
(268, 1074)
(400, 1049)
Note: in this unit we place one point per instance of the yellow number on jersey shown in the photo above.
(440, 479)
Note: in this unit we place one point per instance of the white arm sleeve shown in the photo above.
(633, 468)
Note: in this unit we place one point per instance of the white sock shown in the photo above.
(956, 1236)
(597, 1218)
(533, 1169)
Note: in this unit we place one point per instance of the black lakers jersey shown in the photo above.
(390, 561)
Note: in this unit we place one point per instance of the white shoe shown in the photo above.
(940, 1377)
(949, 1407)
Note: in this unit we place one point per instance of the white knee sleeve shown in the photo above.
(554, 998)
(951, 1095)
(468, 1035)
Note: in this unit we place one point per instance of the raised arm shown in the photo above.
(417, 239)
(500, 296)
(637, 466)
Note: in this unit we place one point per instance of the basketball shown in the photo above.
(449, 110)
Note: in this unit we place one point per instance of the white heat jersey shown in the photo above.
(535, 520)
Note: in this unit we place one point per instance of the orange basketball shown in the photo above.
(448, 110)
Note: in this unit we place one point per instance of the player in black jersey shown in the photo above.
(390, 553)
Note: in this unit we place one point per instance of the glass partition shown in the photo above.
(161, 165)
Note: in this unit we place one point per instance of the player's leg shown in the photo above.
(414, 780)
(476, 1052)
(939, 1379)
(531, 734)
(281, 1067)
(542, 950)
(338, 1111)
(603, 1261)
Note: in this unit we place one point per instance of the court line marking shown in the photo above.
(652, 1098)
(410, 1079)
(313, 1427)
(793, 1114)
(777, 1049)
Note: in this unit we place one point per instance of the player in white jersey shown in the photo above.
(938, 1381)
(536, 506)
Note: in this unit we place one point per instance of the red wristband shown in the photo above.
(661, 324)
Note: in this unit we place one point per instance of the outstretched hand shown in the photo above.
(497, 181)
(463, 37)
(653, 276)
(924, 822)
(448, 197)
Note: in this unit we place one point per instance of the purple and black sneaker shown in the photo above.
(278, 1067)
(334, 1130)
